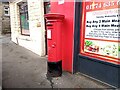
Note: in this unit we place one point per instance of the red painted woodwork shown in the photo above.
(66, 9)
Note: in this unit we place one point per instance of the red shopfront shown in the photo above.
(90, 38)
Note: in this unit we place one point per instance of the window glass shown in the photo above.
(24, 20)
(6, 11)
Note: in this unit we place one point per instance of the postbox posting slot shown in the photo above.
(49, 24)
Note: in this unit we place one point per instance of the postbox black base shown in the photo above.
(54, 69)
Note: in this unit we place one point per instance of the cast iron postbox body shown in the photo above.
(54, 44)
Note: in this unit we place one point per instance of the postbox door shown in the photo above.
(54, 41)
(51, 38)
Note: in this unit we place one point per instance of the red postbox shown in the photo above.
(54, 39)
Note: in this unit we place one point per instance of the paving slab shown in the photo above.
(22, 68)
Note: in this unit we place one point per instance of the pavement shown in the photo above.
(22, 68)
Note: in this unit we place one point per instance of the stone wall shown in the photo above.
(15, 21)
(4, 20)
(0, 17)
(36, 41)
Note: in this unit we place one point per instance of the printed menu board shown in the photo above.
(100, 30)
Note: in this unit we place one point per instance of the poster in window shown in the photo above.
(100, 30)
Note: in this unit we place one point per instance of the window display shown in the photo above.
(100, 31)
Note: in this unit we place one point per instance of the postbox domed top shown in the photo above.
(54, 16)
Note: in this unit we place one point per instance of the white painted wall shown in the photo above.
(36, 41)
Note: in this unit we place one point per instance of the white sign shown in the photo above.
(103, 24)
(61, 1)
(49, 36)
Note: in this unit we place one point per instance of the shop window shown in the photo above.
(24, 19)
(6, 11)
(99, 33)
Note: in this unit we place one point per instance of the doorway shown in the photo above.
(46, 10)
